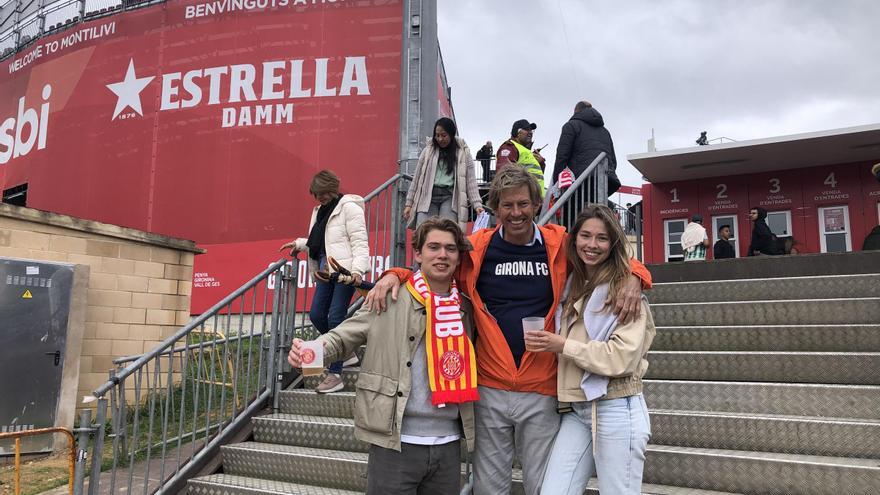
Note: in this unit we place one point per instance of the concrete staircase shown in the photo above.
(757, 385)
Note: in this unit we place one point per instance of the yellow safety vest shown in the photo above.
(527, 159)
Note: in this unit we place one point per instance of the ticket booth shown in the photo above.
(817, 188)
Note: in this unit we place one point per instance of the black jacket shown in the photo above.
(583, 137)
(722, 250)
(872, 241)
(763, 239)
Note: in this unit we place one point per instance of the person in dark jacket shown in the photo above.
(484, 155)
(723, 248)
(583, 137)
(763, 240)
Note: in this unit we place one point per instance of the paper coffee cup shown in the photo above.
(312, 355)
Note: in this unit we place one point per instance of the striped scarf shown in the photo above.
(452, 366)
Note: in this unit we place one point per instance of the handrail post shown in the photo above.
(79, 474)
(271, 358)
(280, 312)
(638, 222)
(100, 420)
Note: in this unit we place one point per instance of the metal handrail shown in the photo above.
(576, 185)
(174, 398)
(215, 309)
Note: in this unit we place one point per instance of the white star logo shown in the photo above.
(128, 92)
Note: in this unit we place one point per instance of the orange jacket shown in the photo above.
(495, 365)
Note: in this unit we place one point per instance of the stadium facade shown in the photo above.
(205, 120)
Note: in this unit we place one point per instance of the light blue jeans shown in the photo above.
(622, 439)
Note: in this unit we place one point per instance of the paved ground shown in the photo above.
(145, 476)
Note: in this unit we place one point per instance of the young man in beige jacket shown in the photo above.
(404, 405)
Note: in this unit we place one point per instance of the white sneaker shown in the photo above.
(333, 383)
(351, 361)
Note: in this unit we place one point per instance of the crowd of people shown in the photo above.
(448, 360)
(521, 341)
(695, 239)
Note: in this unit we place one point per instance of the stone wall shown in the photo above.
(139, 284)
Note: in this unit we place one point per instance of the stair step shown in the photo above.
(836, 401)
(228, 484)
(766, 289)
(306, 465)
(736, 431)
(802, 338)
(647, 488)
(767, 433)
(305, 401)
(856, 368)
(760, 472)
(308, 431)
(782, 312)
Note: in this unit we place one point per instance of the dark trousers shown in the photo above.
(329, 306)
(415, 470)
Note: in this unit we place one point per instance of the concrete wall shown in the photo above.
(139, 284)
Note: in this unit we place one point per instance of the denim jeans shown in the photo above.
(441, 209)
(624, 430)
(329, 306)
(415, 470)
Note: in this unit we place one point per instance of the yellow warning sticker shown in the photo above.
(27, 294)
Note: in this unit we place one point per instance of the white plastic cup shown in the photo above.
(532, 324)
(312, 355)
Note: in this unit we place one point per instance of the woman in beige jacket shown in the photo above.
(444, 179)
(605, 426)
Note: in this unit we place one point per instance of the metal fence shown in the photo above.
(563, 206)
(162, 415)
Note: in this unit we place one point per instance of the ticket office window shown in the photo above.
(673, 229)
(779, 223)
(834, 229)
(717, 222)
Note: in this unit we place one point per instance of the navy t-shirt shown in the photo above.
(515, 283)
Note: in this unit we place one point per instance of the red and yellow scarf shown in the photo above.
(452, 366)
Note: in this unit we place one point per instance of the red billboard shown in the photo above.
(206, 120)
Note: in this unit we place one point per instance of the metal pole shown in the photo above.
(100, 419)
(79, 473)
(273, 331)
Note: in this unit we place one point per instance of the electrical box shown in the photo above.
(35, 300)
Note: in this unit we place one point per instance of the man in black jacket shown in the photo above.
(484, 156)
(763, 240)
(583, 137)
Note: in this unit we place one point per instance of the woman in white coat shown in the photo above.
(337, 229)
(444, 180)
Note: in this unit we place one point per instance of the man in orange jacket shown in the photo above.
(514, 271)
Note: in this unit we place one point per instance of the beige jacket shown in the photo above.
(384, 382)
(419, 195)
(345, 238)
(622, 358)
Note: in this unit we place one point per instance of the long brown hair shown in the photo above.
(613, 271)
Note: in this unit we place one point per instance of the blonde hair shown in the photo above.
(324, 181)
(513, 176)
(613, 271)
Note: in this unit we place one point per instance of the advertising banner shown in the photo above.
(206, 120)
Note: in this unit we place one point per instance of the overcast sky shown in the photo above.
(740, 69)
